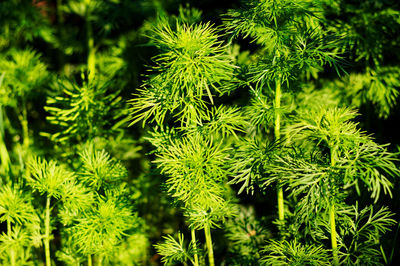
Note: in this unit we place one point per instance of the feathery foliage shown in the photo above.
(84, 112)
(256, 132)
(293, 253)
(193, 64)
(173, 250)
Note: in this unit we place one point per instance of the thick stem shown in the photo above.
(91, 60)
(47, 232)
(89, 261)
(4, 156)
(281, 206)
(12, 251)
(196, 257)
(332, 216)
(207, 233)
(277, 133)
(333, 234)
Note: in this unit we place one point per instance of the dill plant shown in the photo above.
(92, 206)
(74, 197)
(23, 74)
(48, 178)
(88, 11)
(335, 158)
(247, 236)
(22, 222)
(293, 46)
(81, 113)
(100, 224)
(192, 67)
(368, 37)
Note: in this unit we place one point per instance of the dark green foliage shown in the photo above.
(361, 238)
(246, 235)
(293, 253)
(359, 160)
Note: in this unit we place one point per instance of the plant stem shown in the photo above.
(100, 262)
(207, 233)
(89, 261)
(196, 258)
(277, 133)
(4, 156)
(8, 226)
(25, 127)
(12, 252)
(91, 60)
(23, 117)
(332, 217)
(333, 234)
(47, 232)
(61, 31)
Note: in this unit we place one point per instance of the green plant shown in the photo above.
(48, 178)
(293, 44)
(245, 146)
(101, 228)
(293, 253)
(16, 210)
(340, 157)
(193, 63)
(368, 37)
(175, 251)
(84, 112)
(23, 74)
(246, 235)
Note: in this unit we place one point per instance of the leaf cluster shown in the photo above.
(173, 251)
(24, 75)
(294, 253)
(193, 64)
(85, 111)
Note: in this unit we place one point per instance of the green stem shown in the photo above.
(91, 60)
(333, 234)
(61, 30)
(12, 252)
(207, 233)
(47, 232)
(196, 258)
(277, 133)
(100, 262)
(25, 127)
(89, 261)
(4, 156)
(8, 226)
(23, 117)
(332, 217)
